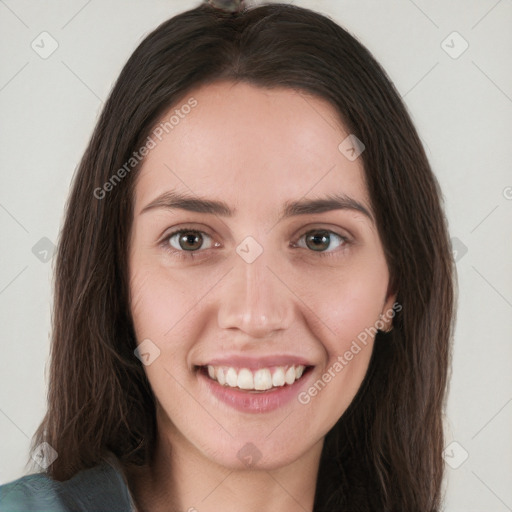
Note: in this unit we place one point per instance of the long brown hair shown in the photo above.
(385, 452)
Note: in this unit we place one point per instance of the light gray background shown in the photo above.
(462, 108)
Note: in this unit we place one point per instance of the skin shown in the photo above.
(255, 149)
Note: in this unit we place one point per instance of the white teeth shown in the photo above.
(278, 378)
(289, 376)
(262, 379)
(245, 380)
(231, 378)
(259, 380)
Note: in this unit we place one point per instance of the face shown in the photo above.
(257, 274)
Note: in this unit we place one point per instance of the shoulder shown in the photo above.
(30, 493)
(99, 488)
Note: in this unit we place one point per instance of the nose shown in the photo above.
(255, 300)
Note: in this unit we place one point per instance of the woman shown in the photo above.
(254, 284)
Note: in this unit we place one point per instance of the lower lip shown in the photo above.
(263, 401)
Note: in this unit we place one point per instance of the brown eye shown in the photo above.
(322, 240)
(187, 240)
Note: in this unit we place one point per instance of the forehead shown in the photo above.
(250, 146)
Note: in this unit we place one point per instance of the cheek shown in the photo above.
(164, 310)
(150, 309)
(347, 302)
(163, 302)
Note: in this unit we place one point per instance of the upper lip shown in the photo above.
(254, 363)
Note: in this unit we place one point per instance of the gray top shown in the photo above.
(101, 488)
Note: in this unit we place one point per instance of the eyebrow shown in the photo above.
(173, 200)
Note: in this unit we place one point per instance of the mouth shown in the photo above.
(257, 381)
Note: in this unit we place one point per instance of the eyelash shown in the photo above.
(182, 254)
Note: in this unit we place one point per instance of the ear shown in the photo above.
(389, 309)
